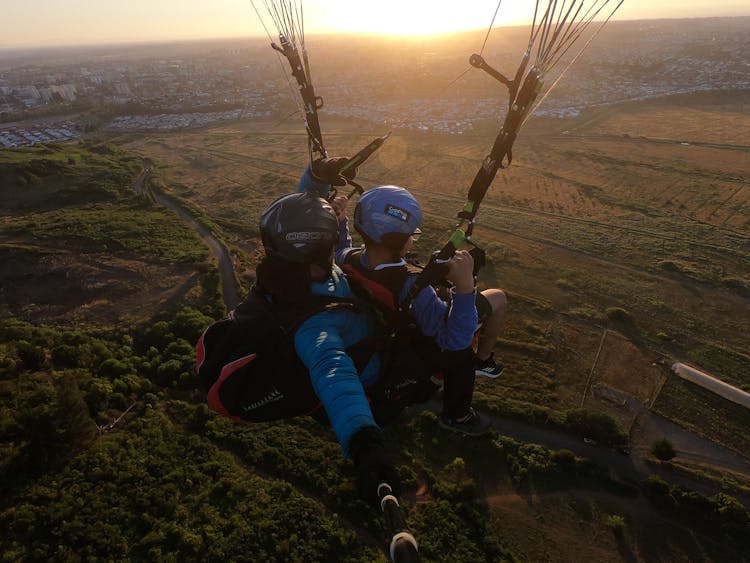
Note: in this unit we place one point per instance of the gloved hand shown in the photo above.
(328, 170)
(372, 464)
(339, 205)
(461, 272)
(480, 258)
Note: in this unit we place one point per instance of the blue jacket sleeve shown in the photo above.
(319, 343)
(309, 184)
(452, 326)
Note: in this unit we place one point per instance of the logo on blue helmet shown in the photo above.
(397, 212)
(387, 209)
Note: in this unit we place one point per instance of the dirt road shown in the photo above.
(229, 285)
(631, 467)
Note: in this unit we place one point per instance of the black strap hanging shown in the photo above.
(552, 34)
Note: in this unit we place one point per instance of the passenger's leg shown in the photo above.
(458, 414)
(458, 386)
(492, 327)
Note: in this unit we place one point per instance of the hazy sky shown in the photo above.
(25, 23)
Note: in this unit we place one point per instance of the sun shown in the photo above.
(421, 17)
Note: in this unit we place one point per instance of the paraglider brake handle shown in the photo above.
(358, 189)
(478, 62)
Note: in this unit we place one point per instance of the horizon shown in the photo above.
(325, 34)
(236, 20)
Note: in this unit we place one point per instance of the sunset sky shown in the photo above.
(29, 23)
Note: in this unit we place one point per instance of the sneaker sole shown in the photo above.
(459, 431)
(488, 375)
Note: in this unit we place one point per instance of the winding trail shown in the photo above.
(229, 285)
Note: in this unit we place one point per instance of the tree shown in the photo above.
(32, 357)
(65, 356)
(663, 449)
(113, 368)
(189, 324)
(72, 419)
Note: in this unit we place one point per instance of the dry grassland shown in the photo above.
(63, 285)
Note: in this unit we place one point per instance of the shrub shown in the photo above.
(656, 486)
(599, 426)
(454, 483)
(670, 266)
(616, 523)
(563, 283)
(564, 457)
(663, 449)
(113, 368)
(619, 315)
(730, 510)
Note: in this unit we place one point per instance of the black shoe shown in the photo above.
(488, 368)
(473, 424)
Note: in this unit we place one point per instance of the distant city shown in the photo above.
(49, 97)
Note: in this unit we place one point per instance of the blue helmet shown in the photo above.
(387, 210)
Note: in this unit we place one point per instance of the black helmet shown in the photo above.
(300, 228)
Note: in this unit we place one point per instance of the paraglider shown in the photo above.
(556, 26)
